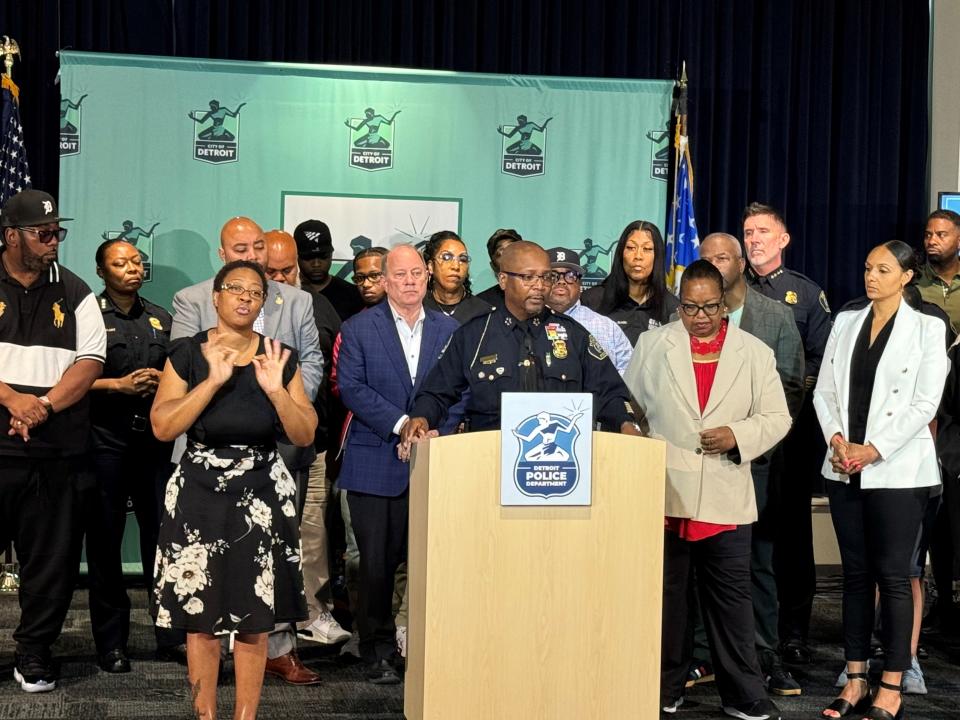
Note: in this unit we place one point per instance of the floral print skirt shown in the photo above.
(228, 555)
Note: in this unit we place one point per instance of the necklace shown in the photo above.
(708, 347)
(443, 306)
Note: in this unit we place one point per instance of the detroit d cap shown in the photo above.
(28, 208)
(564, 258)
(313, 239)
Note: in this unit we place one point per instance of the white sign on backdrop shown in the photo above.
(358, 222)
(546, 448)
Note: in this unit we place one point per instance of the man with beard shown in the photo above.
(52, 348)
(521, 347)
(940, 278)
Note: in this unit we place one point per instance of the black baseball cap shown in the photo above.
(313, 239)
(29, 208)
(566, 259)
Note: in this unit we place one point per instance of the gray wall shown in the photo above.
(944, 160)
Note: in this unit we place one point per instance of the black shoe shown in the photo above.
(795, 652)
(172, 653)
(876, 713)
(762, 709)
(34, 673)
(382, 673)
(115, 661)
(844, 707)
(778, 678)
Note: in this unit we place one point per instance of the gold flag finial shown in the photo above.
(9, 48)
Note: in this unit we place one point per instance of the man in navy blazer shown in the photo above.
(385, 354)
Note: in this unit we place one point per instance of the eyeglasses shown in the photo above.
(239, 290)
(46, 236)
(691, 309)
(449, 257)
(360, 279)
(548, 278)
(568, 276)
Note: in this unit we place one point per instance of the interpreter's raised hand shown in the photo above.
(220, 358)
(716, 441)
(269, 366)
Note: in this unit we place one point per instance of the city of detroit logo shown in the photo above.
(547, 464)
(525, 156)
(141, 239)
(372, 140)
(70, 126)
(216, 133)
(659, 154)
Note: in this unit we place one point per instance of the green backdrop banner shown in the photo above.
(163, 150)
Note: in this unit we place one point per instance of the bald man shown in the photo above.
(321, 626)
(772, 323)
(287, 315)
(520, 347)
(385, 353)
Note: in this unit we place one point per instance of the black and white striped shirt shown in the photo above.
(44, 330)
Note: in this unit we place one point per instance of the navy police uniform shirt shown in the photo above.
(809, 305)
(496, 353)
(135, 340)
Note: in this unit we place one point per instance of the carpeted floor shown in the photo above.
(158, 691)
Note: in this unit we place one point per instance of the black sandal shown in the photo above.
(845, 707)
(877, 713)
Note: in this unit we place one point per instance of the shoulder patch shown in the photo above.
(823, 301)
(596, 349)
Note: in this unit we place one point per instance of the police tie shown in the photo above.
(529, 368)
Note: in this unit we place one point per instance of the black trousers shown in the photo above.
(796, 570)
(40, 513)
(138, 472)
(945, 554)
(380, 527)
(721, 565)
(877, 532)
(762, 574)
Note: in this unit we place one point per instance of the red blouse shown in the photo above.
(704, 373)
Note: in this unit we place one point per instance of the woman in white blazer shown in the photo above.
(713, 393)
(879, 387)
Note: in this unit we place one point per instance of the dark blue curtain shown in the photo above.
(816, 106)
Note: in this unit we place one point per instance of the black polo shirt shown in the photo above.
(44, 330)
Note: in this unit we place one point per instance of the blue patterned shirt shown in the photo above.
(607, 333)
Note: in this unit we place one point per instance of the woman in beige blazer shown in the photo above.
(713, 393)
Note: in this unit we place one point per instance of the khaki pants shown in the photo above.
(313, 539)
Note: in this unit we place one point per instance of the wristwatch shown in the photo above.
(45, 401)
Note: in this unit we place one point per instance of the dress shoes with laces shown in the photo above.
(291, 670)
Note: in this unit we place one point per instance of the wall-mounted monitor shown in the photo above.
(949, 201)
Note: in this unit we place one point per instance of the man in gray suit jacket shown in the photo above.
(773, 324)
(287, 315)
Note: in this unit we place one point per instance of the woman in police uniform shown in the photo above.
(128, 461)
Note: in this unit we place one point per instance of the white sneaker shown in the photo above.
(912, 681)
(325, 629)
(34, 674)
(402, 640)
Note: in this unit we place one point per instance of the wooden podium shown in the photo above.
(519, 613)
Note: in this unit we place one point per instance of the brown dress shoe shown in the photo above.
(291, 670)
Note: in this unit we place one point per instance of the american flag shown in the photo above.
(14, 173)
